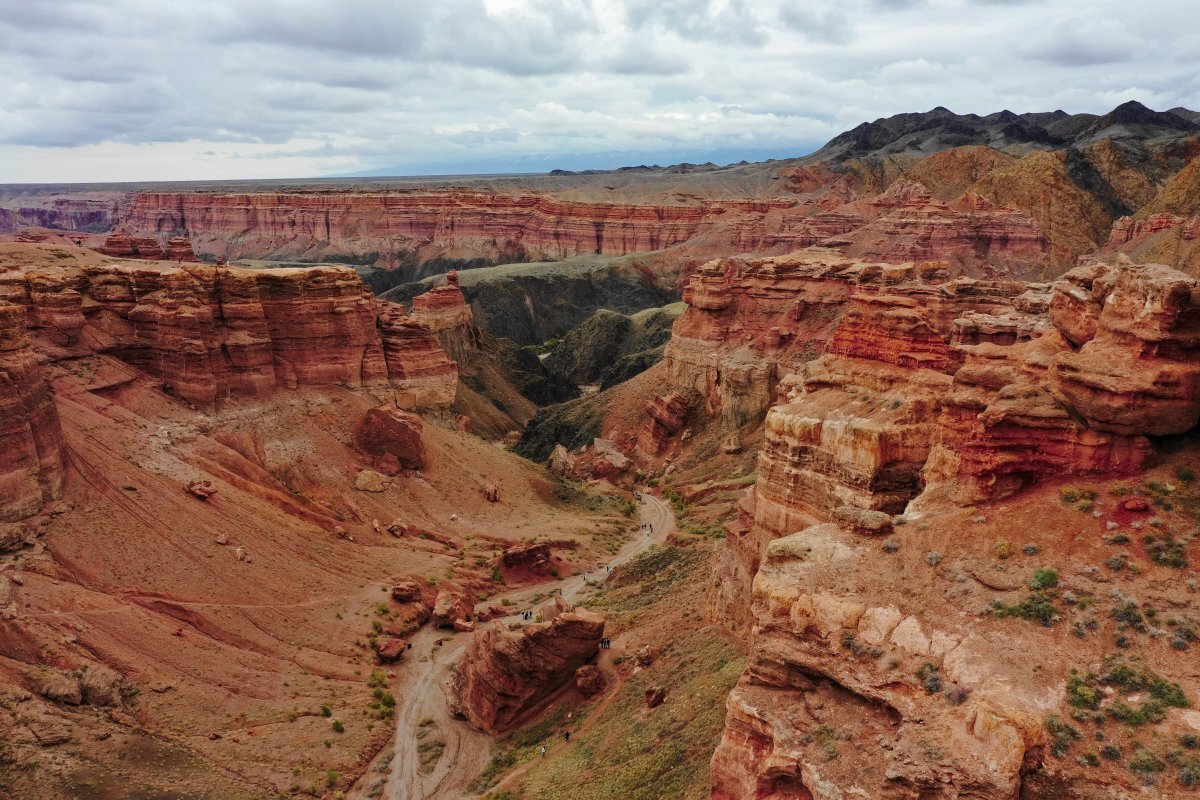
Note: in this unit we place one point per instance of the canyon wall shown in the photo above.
(423, 231)
(929, 397)
(213, 333)
(31, 443)
(456, 224)
(209, 334)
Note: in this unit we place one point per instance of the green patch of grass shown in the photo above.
(1084, 692)
(1037, 607)
(1045, 578)
(636, 756)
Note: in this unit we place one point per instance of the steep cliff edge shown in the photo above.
(31, 442)
(215, 333)
(928, 398)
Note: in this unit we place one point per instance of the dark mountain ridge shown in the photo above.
(940, 129)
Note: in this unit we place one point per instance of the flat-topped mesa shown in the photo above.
(31, 440)
(505, 673)
(213, 333)
(422, 224)
(445, 312)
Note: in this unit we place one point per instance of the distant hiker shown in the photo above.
(566, 736)
(543, 750)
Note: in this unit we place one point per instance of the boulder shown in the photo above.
(54, 684)
(504, 673)
(390, 649)
(387, 431)
(655, 696)
(864, 521)
(101, 686)
(590, 680)
(451, 606)
(368, 480)
(406, 591)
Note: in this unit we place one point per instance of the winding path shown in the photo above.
(420, 692)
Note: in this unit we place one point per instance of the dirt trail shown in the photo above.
(421, 691)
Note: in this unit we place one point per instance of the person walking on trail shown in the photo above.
(543, 750)
(566, 736)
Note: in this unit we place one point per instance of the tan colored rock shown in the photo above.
(451, 606)
(369, 480)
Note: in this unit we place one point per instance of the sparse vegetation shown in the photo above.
(1045, 578)
(930, 677)
(1037, 607)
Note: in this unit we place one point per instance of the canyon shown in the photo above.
(534, 530)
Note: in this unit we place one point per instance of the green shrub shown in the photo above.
(1062, 735)
(1045, 578)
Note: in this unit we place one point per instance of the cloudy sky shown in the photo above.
(102, 90)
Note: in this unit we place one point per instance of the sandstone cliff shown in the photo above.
(506, 673)
(929, 395)
(213, 333)
(31, 443)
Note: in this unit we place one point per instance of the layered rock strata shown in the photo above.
(504, 673)
(455, 223)
(31, 441)
(969, 391)
(805, 696)
(212, 333)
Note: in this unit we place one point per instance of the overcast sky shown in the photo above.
(101, 90)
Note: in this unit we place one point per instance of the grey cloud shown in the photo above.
(318, 85)
(829, 23)
(1077, 42)
(699, 20)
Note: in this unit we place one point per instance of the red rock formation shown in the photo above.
(804, 696)
(667, 415)
(211, 332)
(31, 443)
(1139, 372)
(421, 373)
(454, 223)
(445, 312)
(505, 673)
(393, 438)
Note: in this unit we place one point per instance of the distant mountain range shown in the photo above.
(918, 134)
(941, 129)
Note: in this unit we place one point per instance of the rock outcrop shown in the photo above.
(393, 438)
(123, 245)
(444, 311)
(505, 673)
(968, 391)
(211, 333)
(805, 694)
(31, 441)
